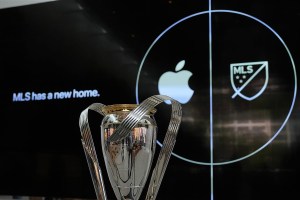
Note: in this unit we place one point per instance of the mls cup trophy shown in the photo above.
(128, 140)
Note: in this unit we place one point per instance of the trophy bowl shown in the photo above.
(128, 161)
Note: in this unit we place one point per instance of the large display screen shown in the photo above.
(231, 64)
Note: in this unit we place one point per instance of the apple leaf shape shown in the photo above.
(180, 65)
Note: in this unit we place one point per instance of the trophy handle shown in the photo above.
(166, 150)
(90, 152)
(134, 117)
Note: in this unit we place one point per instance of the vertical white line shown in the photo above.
(211, 106)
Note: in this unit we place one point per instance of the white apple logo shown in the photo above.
(176, 84)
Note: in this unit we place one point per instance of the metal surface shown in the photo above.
(128, 145)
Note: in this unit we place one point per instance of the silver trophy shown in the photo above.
(128, 140)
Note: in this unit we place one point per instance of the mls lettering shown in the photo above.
(243, 69)
(20, 97)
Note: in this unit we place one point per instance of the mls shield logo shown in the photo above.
(249, 80)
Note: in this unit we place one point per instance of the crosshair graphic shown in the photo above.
(237, 76)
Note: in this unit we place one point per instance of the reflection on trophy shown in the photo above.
(128, 140)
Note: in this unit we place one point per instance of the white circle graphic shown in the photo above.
(282, 43)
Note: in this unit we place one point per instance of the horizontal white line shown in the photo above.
(16, 3)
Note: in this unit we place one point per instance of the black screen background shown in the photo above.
(90, 44)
